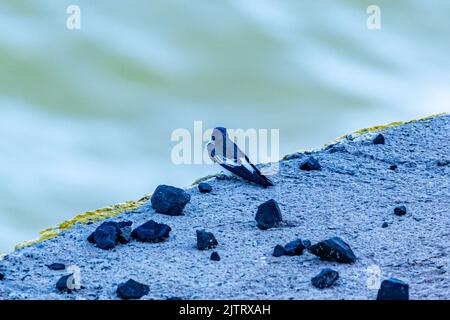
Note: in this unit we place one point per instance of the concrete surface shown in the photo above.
(351, 197)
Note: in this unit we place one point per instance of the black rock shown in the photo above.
(442, 163)
(325, 279)
(124, 235)
(400, 211)
(385, 225)
(333, 249)
(169, 200)
(393, 167)
(379, 139)
(205, 240)
(106, 235)
(336, 148)
(2, 276)
(174, 298)
(268, 215)
(56, 266)
(294, 248)
(309, 164)
(90, 238)
(215, 256)
(132, 290)
(65, 283)
(393, 289)
(124, 224)
(204, 187)
(278, 251)
(151, 231)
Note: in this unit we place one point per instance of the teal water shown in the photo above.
(86, 115)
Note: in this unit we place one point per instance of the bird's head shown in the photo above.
(219, 134)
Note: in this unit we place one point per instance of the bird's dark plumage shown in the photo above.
(227, 154)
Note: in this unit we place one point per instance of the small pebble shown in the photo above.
(325, 279)
(57, 266)
(309, 164)
(294, 248)
(65, 283)
(333, 249)
(151, 231)
(400, 211)
(393, 167)
(379, 139)
(204, 187)
(206, 240)
(385, 225)
(170, 200)
(278, 251)
(2, 276)
(215, 256)
(268, 215)
(393, 289)
(132, 290)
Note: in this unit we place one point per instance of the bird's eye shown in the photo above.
(213, 138)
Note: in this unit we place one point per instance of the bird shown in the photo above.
(227, 154)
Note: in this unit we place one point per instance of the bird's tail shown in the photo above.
(265, 182)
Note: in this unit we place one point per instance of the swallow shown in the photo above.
(227, 154)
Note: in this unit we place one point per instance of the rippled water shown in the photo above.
(86, 115)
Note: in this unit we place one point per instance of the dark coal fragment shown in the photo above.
(294, 248)
(379, 139)
(90, 238)
(204, 187)
(151, 231)
(132, 290)
(309, 164)
(336, 148)
(442, 163)
(123, 224)
(2, 276)
(400, 211)
(206, 240)
(278, 251)
(333, 249)
(174, 298)
(385, 225)
(65, 283)
(56, 266)
(393, 167)
(215, 256)
(268, 215)
(124, 235)
(393, 289)
(325, 279)
(106, 235)
(169, 200)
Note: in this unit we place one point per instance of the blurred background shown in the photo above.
(86, 115)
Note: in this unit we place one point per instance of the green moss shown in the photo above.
(375, 129)
(91, 216)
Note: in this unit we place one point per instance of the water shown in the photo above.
(86, 115)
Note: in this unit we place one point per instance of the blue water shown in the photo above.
(86, 115)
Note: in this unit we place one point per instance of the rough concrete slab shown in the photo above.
(351, 197)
